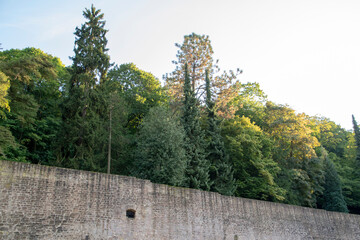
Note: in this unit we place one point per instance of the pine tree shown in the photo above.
(196, 51)
(85, 136)
(197, 171)
(221, 174)
(357, 139)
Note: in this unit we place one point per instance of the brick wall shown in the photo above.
(39, 202)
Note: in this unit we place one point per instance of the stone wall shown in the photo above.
(39, 202)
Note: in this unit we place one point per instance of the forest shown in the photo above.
(202, 128)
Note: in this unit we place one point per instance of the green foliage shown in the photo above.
(197, 171)
(357, 140)
(34, 95)
(84, 138)
(4, 86)
(121, 142)
(7, 140)
(250, 152)
(330, 135)
(196, 52)
(160, 154)
(301, 170)
(141, 91)
(221, 174)
(88, 117)
(333, 199)
(91, 62)
(250, 103)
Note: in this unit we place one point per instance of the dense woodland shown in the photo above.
(203, 128)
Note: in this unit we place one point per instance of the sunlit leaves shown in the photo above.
(4, 86)
(251, 156)
(141, 90)
(33, 94)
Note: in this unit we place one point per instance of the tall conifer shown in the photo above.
(221, 174)
(197, 171)
(85, 108)
(333, 197)
(357, 139)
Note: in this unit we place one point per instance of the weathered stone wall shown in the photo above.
(39, 202)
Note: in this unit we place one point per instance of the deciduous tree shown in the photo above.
(294, 150)
(34, 94)
(141, 91)
(250, 153)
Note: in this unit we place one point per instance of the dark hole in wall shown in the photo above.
(130, 213)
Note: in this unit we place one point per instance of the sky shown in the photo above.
(305, 54)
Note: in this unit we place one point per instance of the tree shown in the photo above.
(91, 61)
(196, 51)
(160, 154)
(357, 139)
(331, 136)
(340, 149)
(7, 139)
(197, 171)
(34, 94)
(114, 126)
(333, 199)
(250, 152)
(221, 174)
(85, 138)
(294, 150)
(4, 86)
(250, 103)
(141, 91)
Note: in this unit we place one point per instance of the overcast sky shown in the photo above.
(303, 53)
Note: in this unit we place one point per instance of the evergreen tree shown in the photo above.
(196, 51)
(357, 139)
(333, 199)
(197, 171)
(221, 174)
(160, 154)
(91, 61)
(85, 136)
